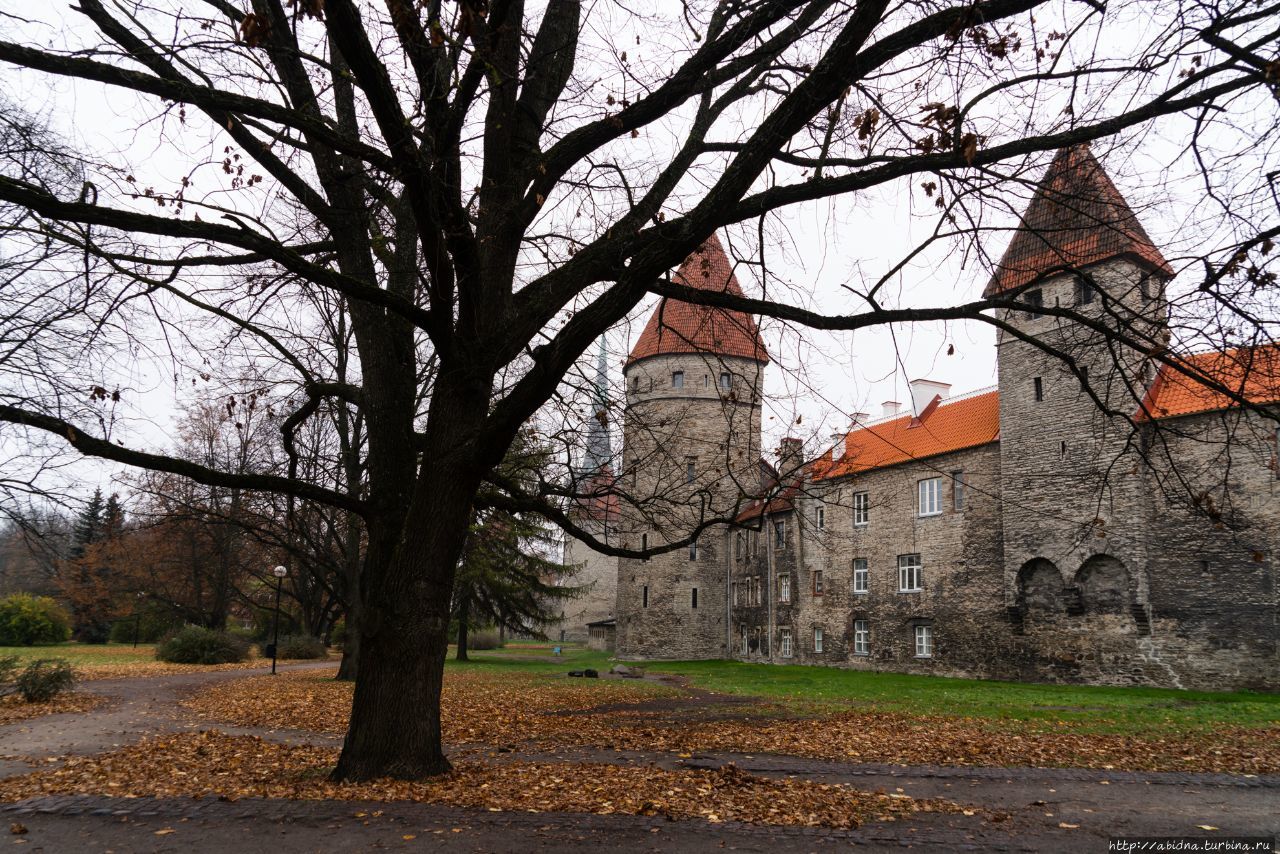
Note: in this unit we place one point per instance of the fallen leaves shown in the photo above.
(540, 713)
(13, 708)
(213, 764)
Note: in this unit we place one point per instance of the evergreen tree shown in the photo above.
(88, 527)
(505, 578)
(88, 581)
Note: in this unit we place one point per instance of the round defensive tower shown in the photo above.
(691, 455)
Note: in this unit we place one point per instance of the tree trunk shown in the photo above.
(464, 613)
(407, 594)
(350, 665)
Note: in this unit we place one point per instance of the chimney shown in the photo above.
(790, 455)
(890, 407)
(859, 418)
(924, 391)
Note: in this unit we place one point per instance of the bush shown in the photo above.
(300, 646)
(338, 636)
(26, 620)
(484, 639)
(153, 624)
(196, 645)
(45, 679)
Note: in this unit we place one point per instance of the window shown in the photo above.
(786, 643)
(635, 383)
(726, 381)
(733, 593)
(1084, 291)
(644, 543)
(755, 590)
(861, 638)
(738, 547)
(1084, 376)
(820, 516)
(817, 582)
(677, 379)
(1039, 387)
(706, 380)
(957, 490)
(745, 642)
(693, 600)
(924, 641)
(861, 509)
(784, 588)
(780, 534)
(690, 472)
(910, 574)
(817, 640)
(930, 494)
(693, 550)
(1034, 301)
(861, 575)
(644, 597)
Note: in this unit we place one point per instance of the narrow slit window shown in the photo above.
(1038, 383)
(694, 599)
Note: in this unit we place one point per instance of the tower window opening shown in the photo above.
(694, 601)
(677, 379)
(1034, 301)
(644, 597)
(1039, 388)
(1084, 291)
(726, 381)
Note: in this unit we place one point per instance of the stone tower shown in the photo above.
(1074, 502)
(691, 452)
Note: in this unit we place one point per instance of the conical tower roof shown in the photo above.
(1076, 218)
(680, 327)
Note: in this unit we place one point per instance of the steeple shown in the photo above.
(1077, 218)
(599, 446)
(681, 327)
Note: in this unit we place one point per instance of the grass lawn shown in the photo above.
(82, 654)
(821, 690)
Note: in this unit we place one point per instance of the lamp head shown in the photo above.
(279, 572)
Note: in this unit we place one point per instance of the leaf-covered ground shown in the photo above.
(120, 661)
(13, 708)
(212, 764)
(540, 712)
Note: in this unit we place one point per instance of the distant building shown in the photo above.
(1109, 522)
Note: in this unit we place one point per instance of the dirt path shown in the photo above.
(1048, 809)
(135, 707)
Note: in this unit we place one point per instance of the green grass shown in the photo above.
(822, 690)
(85, 653)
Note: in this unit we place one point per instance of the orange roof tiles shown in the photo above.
(1251, 372)
(597, 499)
(680, 327)
(1076, 218)
(965, 422)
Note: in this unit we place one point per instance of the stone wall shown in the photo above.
(597, 575)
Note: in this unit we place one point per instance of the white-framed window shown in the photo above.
(861, 509)
(746, 648)
(693, 550)
(780, 534)
(924, 641)
(784, 588)
(861, 575)
(726, 381)
(820, 517)
(785, 642)
(861, 638)
(817, 582)
(930, 495)
(677, 379)
(817, 640)
(910, 574)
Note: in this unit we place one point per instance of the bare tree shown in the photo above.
(490, 187)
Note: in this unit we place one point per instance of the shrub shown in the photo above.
(26, 620)
(338, 636)
(300, 646)
(196, 645)
(45, 679)
(484, 639)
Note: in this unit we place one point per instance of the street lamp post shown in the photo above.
(137, 619)
(280, 572)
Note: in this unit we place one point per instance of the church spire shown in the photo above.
(599, 446)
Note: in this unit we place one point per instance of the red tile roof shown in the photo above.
(680, 327)
(597, 498)
(965, 422)
(1251, 372)
(779, 503)
(1076, 218)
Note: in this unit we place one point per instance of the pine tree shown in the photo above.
(504, 578)
(88, 582)
(88, 527)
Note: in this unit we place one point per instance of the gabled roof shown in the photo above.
(1251, 372)
(953, 425)
(680, 327)
(1076, 218)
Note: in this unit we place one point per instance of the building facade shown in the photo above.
(1096, 518)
